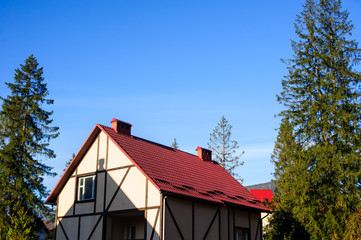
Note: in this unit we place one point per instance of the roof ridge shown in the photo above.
(152, 142)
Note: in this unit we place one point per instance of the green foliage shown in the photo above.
(282, 225)
(25, 134)
(174, 144)
(317, 154)
(68, 162)
(353, 225)
(224, 149)
(20, 226)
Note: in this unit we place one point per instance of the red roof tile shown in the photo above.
(176, 172)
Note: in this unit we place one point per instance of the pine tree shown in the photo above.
(68, 162)
(225, 149)
(317, 154)
(174, 144)
(25, 135)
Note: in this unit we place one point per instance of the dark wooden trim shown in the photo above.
(228, 226)
(117, 168)
(116, 192)
(56, 217)
(154, 225)
(84, 201)
(97, 161)
(105, 190)
(106, 155)
(249, 224)
(192, 220)
(79, 222)
(146, 193)
(95, 227)
(234, 222)
(210, 225)
(188, 198)
(145, 227)
(259, 221)
(104, 230)
(146, 211)
(174, 221)
(96, 174)
(95, 191)
(100, 171)
(161, 217)
(76, 191)
(86, 174)
(219, 224)
(111, 212)
(62, 228)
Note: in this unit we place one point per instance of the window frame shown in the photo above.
(130, 227)
(243, 229)
(79, 187)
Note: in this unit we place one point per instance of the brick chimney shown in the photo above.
(204, 154)
(121, 127)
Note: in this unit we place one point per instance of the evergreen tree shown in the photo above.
(225, 149)
(317, 154)
(25, 135)
(68, 162)
(175, 144)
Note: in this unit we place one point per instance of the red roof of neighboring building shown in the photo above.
(261, 194)
(172, 171)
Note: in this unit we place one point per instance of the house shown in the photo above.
(263, 192)
(121, 186)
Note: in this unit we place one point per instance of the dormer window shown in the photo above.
(86, 187)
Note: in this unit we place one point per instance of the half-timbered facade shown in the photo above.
(120, 186)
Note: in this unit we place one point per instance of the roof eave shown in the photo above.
(216, 203)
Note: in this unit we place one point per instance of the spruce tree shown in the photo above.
(67, 163)
(317, 154)
(25, 135)
(224, 149)
(174, 144)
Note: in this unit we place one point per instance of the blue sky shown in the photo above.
(171, 68)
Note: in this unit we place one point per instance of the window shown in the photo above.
(86, 188)
(240, 233)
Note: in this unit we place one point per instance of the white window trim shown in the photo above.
(81, 198)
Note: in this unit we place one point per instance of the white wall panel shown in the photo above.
(113, 180)
(134, 187)
(152, 216)
(102, 150)
(153, 195)
(89, 162)
(116, 157)
(66, 198)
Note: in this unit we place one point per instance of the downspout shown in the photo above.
(163, 216)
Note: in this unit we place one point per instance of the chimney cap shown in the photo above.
(117, 120)
(203, 149)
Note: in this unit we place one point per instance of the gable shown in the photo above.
(119, 183)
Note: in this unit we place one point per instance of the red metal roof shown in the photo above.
(261, 194)
(175, 172)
